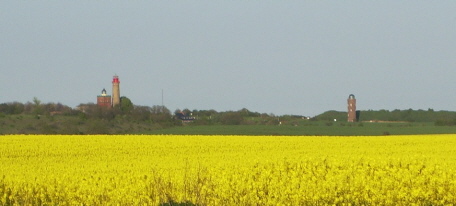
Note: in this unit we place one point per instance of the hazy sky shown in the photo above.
(281, 57)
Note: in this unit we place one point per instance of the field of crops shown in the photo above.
(227, 170)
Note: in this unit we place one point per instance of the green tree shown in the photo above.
(126, 105)
(37, 107)
(231, 118)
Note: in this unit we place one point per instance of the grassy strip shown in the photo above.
(318, 128)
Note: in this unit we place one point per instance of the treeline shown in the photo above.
(55, 118)
(87, 111)
(35, 108)
(155, 114)
(440, 118)
(240, 117)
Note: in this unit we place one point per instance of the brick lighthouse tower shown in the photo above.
(351, 108)
(115, 91)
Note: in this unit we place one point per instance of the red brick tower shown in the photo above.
(104, 100)
(351, 108)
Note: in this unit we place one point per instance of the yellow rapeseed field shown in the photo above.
(227, 170)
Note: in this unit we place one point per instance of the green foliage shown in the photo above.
(173, 203)
(445, 122)
(316, 128)
(126, 105)
(98, 127)
(36, 101)
(231, 118)
(408, 115)
(38, 108)
(331, 115)
(55, 118)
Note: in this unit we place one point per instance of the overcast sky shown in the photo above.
(280, 57)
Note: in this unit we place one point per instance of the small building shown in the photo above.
(104, 100)
(185, 118)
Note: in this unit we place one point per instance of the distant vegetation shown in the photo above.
(55, 118)
(440, 118)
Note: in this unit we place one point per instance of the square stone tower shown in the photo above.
(351, 108)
